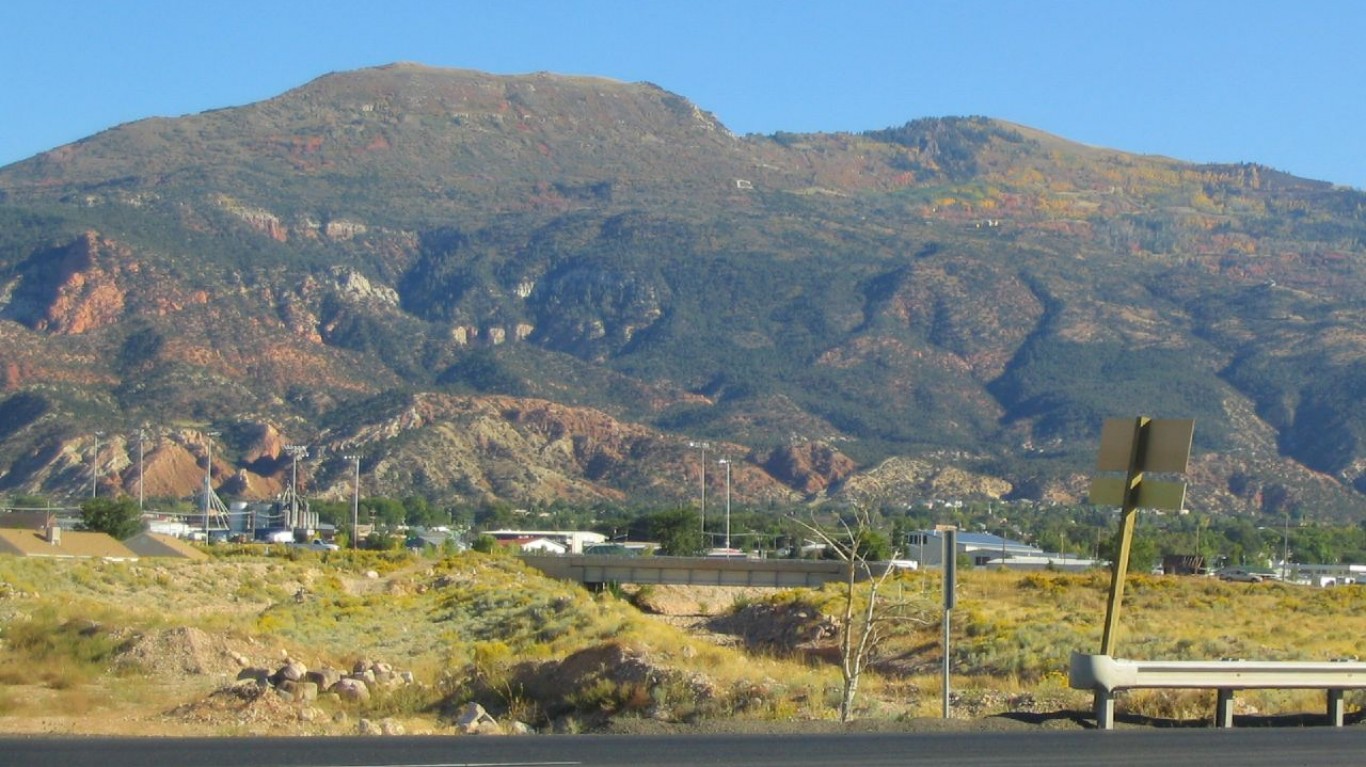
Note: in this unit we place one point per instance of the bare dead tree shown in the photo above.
(864, 623)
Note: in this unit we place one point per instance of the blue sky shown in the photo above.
(1278, 83)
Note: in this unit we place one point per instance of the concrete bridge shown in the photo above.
(693, 571)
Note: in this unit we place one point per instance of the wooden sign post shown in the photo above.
(1135, 447)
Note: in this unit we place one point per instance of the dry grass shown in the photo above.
(466, 625)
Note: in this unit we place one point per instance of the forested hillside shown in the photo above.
(547, 288)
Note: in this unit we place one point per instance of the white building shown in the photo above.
(926, 547)
(573, 541)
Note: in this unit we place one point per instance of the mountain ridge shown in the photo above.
(954, 287)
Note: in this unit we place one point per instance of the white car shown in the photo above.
(317, 544)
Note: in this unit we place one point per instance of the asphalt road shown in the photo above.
(1260, 747)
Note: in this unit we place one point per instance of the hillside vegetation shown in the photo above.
(155, 648)
(541, 288)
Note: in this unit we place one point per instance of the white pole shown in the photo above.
(727, 463)
(95, 465)
(703, 447)
(1285, 549)
(355, 500)
(208, 481)
(142, 497)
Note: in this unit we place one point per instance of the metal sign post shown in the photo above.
(950, 562)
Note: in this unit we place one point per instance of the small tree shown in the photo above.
(867, 619)
(119, 519)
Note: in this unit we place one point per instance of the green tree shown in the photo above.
(1143, 551)
(118, 518)
(678, 532)
(388, 512)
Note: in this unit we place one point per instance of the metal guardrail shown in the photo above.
(1104, 675)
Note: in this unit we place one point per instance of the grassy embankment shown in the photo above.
(486, 629)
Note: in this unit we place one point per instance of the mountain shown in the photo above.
(542, 288)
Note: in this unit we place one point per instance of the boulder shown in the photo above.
(367, 727)
(293, 670)
(324, 677)
(306, 692)
(473, 719)
(256, 674)
(353, 690)
(391, 727)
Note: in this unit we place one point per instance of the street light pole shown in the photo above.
(355, 499)
(208, 479)
(95, 465)
(726, 462)
(1285, 549)
(703, 447)
(142, 496)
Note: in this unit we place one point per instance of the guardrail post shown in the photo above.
(1105, 710)
(1223, 708)
(1335, 707)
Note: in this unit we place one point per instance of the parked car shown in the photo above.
(317, 544)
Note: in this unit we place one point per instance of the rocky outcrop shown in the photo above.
(811, 468)
(71, 290)
(908, 478)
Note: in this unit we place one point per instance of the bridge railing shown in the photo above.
(695, 571)
(1105, 675)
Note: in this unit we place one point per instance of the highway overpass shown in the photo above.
(692, 571)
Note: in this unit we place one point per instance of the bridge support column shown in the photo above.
(1335, 708)
(1105, 710)
(1223, 708)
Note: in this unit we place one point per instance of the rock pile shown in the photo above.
(282, 700)
(295, 681)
